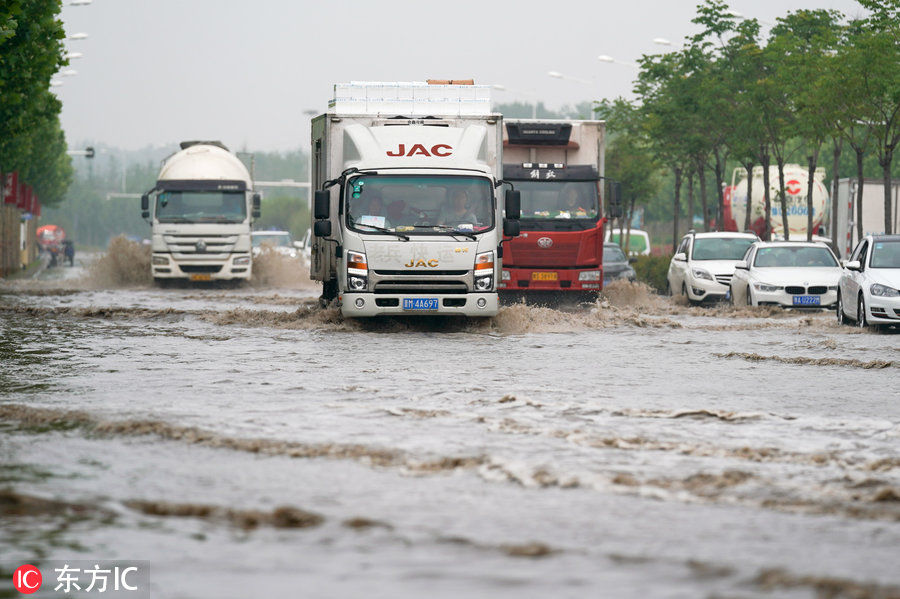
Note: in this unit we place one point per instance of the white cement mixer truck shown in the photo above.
(200, 212)
(795, 180)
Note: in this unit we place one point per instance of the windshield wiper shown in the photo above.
(174, 219)
(448, 229)
(383, 230)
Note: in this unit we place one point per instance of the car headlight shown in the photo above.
(589, 275)
(241, 261)
(765, 287)
(702, 274)
(883, 291)
(160, 260)
(357, 271)
(484, 271)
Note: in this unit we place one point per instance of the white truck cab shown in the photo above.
(407, 208)
(200, 212)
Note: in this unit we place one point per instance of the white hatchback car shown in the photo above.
(704, 263)
(869, 290)
(793, 274)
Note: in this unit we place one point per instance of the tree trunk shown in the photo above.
(767, 194)
(886, 176)
(701, 175)
(677, 208)
(811, 163)
(859, 193)
(626, 231)
(720, 193)
(748, 166)
(690, 198)
(782, 196)
(835, 165)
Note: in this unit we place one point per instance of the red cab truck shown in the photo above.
(557, 165)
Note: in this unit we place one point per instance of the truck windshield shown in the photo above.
(559, 200)
(201, 207)
(421, 203)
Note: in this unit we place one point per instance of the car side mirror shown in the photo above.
(615, 200)
(511, 228)
(322, 207)
(680, 256)
(853, 265)
(742, 266)
(145, 205)
(513, 204)
(256, 205)
(298, 245)
(322, 228)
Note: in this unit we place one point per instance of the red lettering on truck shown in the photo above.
(439, 150)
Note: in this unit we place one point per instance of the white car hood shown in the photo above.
(797, 276)
(716, 267)
(885, 276)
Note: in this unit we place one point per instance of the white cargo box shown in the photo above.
(410, 98)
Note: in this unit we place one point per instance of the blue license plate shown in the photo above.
(420, 303)
(807, 300)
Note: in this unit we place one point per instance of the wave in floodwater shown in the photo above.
(852, 362)
(280, 517)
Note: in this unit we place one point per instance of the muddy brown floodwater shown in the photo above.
(246, 443)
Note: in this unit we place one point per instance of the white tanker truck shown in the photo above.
(795, 182)
(200, 212)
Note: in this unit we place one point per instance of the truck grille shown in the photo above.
(209, 244)
(411, 286)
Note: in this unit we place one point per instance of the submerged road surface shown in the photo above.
(244, 443)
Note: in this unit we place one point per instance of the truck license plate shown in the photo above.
(203, 277)
(420, 303)
(807, 300)
(544, 276)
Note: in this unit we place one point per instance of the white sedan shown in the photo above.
(870, 284)
(279, 241)
(787, 273)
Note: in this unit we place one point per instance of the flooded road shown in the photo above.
(247, 443)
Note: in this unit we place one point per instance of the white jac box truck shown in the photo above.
(200, 212)
(410, 212)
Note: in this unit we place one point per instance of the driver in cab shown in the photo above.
(456, 211)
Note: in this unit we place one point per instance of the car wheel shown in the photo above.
(668, 288)
(841, 317)
(861, 321)
(749, 297)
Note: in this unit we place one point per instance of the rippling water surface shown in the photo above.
(245, 441)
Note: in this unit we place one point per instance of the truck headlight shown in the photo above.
(357, 271)
(159, 260)
(589, 275)
(504, 274)
(241, 261)
(766, 288)
(484, 271)
(702, 274)
(883, 291)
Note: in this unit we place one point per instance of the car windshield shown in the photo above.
(274, 239)
(420, 203)
(613, 254)
(885, 254)
(542, 200)
(721, 248)
(637, 243)
(786, 257)
(201, 206)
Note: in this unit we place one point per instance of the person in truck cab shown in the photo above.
(374, 211)
(456, 210)
(571, 203)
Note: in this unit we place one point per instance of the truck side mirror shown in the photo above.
(511, 228)
(322, 228)
(145, 206)
(322, 206)
(256, 205)
(513, 204)
(615, 200)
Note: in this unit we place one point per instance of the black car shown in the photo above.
(615, 264)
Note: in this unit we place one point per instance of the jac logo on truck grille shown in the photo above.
(420, 263)
(439, 150)
(544, 242)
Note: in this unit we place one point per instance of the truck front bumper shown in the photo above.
(362, 305)
(235, 266)
(550, 279)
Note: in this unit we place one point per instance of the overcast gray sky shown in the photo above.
(244, 72)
